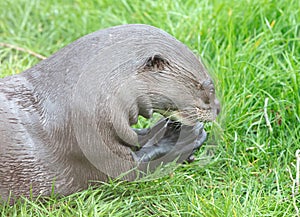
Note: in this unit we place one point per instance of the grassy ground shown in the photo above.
(252, 49)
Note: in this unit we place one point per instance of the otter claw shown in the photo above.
(191, 158)
(167, 137)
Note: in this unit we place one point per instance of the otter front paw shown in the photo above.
(172, 138)
(198, 143)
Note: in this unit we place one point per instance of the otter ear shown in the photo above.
(156, 62)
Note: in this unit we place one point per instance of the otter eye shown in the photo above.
(206, 99)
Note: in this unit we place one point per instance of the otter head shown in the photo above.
(185, 94)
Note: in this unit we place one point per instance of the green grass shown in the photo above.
(252, 49)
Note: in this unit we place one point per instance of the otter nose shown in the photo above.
(218, 107)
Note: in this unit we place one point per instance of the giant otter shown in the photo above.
(67, 120)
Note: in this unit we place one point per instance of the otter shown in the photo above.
(68, 120)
